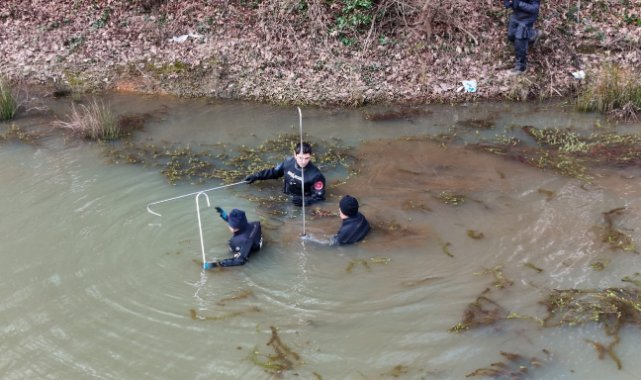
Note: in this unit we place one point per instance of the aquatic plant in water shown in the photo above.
(451, 199)
(614, 237)
(514, 367)
(365, 263)
(15, 132)
(482, 312)
(200, 163)
(281, 360)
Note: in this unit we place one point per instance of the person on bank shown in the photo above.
(521, 30)
(354, 226)
(293, 169)
(247, 238)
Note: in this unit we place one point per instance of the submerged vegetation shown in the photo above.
(198, 164)
(514, 367)
(613, 236)
(281, 360)
(566, 152)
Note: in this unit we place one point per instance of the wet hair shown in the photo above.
(307, 149)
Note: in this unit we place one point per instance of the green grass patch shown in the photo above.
(8, 103)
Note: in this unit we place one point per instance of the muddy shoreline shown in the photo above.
(262, 53)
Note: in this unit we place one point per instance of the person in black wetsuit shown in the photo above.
(354, 226)
(521, 30)
(292, 169)
(247, 238)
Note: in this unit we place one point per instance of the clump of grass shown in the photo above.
(94, 121)
(614, 91)
(8, 103)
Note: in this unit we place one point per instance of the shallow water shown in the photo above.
(94, 286)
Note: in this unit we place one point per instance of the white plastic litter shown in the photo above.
(468, 86)
(579, 74)
(184, 37)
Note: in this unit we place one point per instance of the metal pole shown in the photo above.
(302, 170)
(187, 195)
(200, 226)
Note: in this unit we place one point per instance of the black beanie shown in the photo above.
(349, 205)
(237, 219)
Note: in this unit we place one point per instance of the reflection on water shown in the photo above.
(94, 286)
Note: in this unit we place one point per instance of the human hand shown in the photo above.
(222, 213)
(507, 3)
(250, 178)
(515, 4)
(209, 265)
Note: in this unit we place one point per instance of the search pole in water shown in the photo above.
(200, 226)
(302, 169)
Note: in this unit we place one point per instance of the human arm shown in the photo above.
(308, 238)
(222, 213)
(272, 173)
(531, 7)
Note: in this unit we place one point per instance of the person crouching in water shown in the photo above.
(247, 238)
(292, 169)
(354, 227)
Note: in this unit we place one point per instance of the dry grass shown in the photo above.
(614, 90)
(94, 121)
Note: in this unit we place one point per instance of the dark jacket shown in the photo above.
(314, 180)
(243, 243)
(353, 229)
(524, 14)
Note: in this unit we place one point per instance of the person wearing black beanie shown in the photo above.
(354, 226)
(247, 238)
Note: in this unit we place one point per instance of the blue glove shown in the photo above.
(222, 213)
(210, 265)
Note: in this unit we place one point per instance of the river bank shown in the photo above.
(300, 53)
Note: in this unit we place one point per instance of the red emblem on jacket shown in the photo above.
(318, 185)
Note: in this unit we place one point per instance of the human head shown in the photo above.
(237, 219)
(304, 155)
(348, 206)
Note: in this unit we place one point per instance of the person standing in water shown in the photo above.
(292, 169)
(247, 238)
(354, 226)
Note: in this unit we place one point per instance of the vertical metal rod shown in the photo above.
(302, 170)
(200, 226)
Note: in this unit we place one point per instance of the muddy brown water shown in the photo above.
(94, 286)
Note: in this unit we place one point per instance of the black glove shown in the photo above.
(250, 179)
(297, 200)
(515, 4)
(507, 3)
(222, 213)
